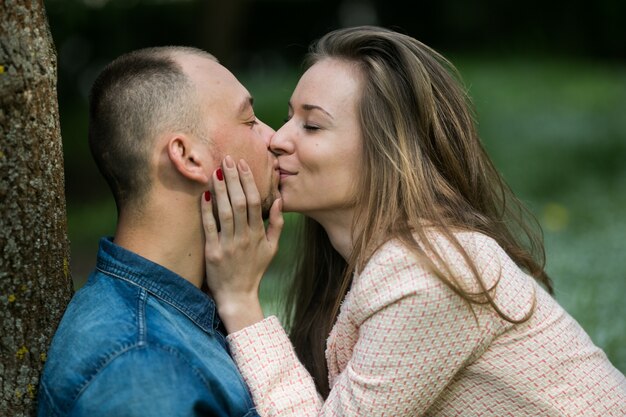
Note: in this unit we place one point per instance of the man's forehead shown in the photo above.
(246, 104)
(207, 73)
(217, 84)
(231, 96)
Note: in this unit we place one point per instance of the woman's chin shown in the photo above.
(287, 207)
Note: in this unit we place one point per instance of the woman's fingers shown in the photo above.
(224, 210)
(239, 212)
(210, 225)
(255, 217)
(237, 255)
(238, 199)
(275, 224)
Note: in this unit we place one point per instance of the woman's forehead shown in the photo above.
(330, 83)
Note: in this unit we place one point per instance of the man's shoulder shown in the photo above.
(138, 372)
(147, 379)
(102, 313)
(102, 294)
(98, 324)
(117, 340)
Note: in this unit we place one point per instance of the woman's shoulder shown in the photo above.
(512, 289)
(393, 272)
(396, 270)
(480, 248)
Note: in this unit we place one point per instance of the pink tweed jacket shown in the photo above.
(404, 344)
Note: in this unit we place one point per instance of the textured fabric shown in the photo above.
(405, 344)
(139, 340)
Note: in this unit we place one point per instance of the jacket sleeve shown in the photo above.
(150, 381)
(413, 334)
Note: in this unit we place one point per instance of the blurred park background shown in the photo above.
(548, 80)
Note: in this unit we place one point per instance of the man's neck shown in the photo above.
(169, 236)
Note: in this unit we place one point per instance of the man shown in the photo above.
(141, 338)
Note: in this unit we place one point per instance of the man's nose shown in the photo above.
(268, 132)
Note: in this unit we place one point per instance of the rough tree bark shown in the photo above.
(35, 282)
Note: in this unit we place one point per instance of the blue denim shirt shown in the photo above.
(139, 340)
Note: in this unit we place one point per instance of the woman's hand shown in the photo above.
(237, 255)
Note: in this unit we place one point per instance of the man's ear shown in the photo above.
(185, 155)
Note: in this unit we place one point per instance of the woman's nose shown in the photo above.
(280, 143)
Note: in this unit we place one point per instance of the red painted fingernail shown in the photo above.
(220, 174)
(207, 196)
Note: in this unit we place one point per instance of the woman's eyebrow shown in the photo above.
(309, 107)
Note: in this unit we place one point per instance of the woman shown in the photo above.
(418, 290)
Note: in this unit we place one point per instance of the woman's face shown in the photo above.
(319, 147)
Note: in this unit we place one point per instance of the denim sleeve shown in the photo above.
(150, 381)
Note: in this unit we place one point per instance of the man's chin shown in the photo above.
(266, 204)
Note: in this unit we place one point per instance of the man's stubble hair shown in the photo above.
(135, 98)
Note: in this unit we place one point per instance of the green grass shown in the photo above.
(557, 132)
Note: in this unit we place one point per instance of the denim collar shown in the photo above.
(171, 288)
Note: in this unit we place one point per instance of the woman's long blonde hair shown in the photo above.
(423, 163)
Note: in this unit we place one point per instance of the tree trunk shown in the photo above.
(35, 282)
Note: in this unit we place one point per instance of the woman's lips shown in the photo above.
(285, 173)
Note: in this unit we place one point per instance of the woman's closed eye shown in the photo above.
(306, 126)
(310, 127)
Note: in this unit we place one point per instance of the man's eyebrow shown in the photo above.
(247, 103)
(309, 107)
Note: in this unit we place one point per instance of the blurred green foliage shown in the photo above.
(556, 129)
